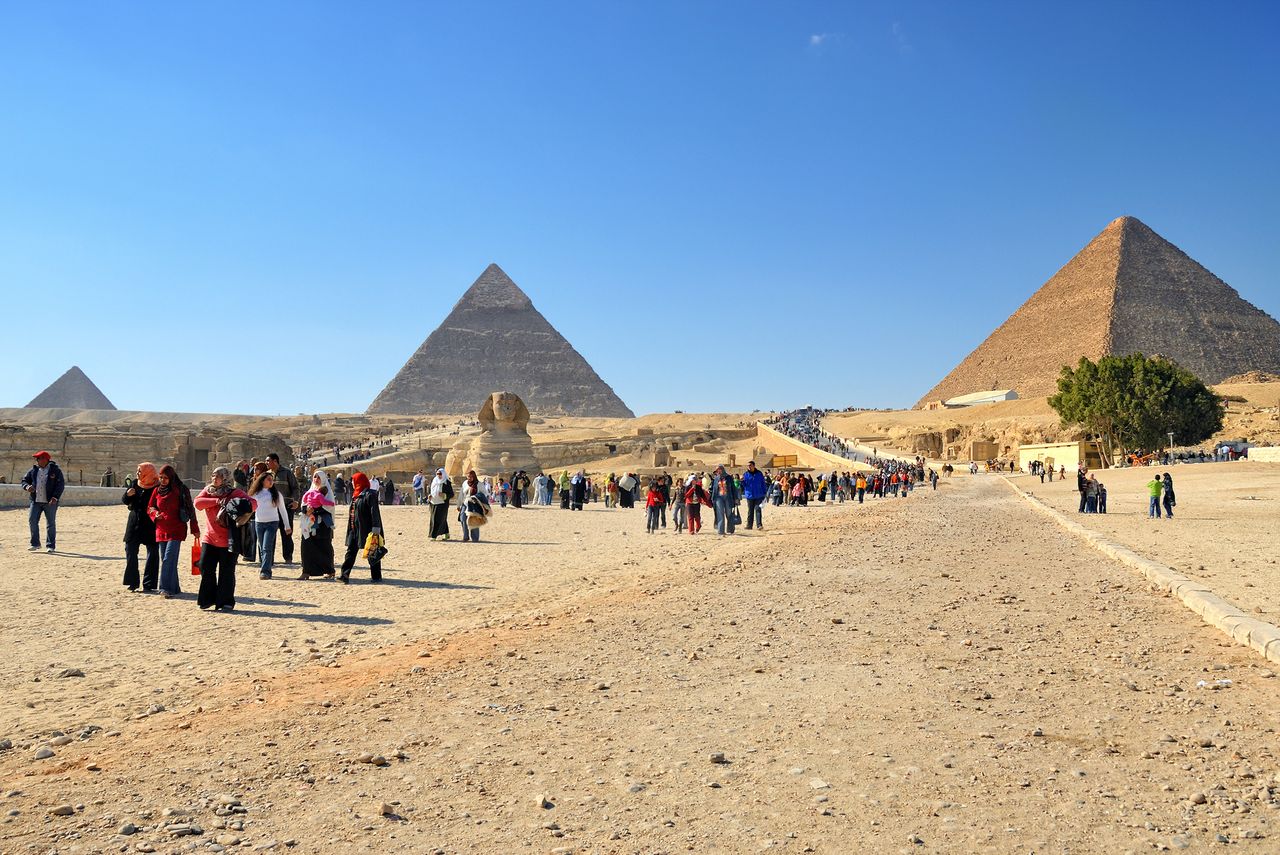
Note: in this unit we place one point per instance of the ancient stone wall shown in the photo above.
(85, 453)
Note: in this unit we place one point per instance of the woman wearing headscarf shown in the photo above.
(578, 487)
(438, 496)
(1170, 500)
(364, 519)
(564, 490)
(316, 522)
(140, 530)
(217, 551)
(478, 509)
(174, 513)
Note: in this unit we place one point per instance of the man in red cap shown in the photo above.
(45, 485)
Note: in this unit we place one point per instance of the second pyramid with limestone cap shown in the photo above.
(494, 339)
(1128, 291)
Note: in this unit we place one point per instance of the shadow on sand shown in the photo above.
(352, 620)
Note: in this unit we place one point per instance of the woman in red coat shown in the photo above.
(217, 557)
(170, 503)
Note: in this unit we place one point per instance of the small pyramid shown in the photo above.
(1128, 291)
(72, 391)
(495, 339)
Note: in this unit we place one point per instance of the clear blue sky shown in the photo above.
(770, 184)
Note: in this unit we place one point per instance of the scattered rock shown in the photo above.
(543, 802)
(718, 757)
(63, 810)
(59, 741)
(70, 672)
(44, 753)
(127, 828)
(818, 784)
(6, 744)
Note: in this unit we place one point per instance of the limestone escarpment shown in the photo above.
(1129, 290)
(495, 339)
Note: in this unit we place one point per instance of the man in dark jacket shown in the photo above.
(287, 485)
(45, 484)
(1082, 484)
(754, 490)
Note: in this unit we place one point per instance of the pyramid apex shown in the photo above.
(493, 289)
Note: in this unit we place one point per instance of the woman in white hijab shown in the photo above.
(438, 498)
(316, 523)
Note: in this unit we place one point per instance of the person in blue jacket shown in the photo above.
(45, 484)
(754, 489)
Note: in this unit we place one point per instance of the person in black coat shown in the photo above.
(140, 531)
(364, 519)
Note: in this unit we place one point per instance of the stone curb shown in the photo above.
(1258, 635)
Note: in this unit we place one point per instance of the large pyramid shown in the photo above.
(1128, 291)
(495, 339)
(73, 390)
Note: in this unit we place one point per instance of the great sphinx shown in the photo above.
(503, 445)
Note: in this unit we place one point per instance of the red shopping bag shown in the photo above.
(195, 558)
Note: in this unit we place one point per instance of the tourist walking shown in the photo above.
(140, 531)
(653, 504)
(1154, 487)
(363, 520)
(270, 518)
(438, 496)
(473, 507)
(315, 520)
(754, 490)
(173, 513)
(724, 494)
(695, 496)
(419, 486)
(218, 549)
(44, 483)
(1169, 500)
(578, 490)
(287, 486)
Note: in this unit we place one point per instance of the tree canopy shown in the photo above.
(1135, 401)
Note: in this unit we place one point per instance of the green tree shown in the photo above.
(1135, 402)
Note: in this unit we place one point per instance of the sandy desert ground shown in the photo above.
(1225, 528)
(945, 673)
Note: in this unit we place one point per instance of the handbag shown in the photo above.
(736, 516)
(195, 558)
(373, 547)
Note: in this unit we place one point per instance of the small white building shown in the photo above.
(974, 398)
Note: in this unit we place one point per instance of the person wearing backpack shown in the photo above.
(220, 502)
(173, 512)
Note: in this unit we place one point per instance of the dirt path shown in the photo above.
(946, 673)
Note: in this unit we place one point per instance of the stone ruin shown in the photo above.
(503, 446)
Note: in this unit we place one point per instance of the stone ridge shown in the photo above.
(495, 339)
(1129, 290)
(73, 390)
